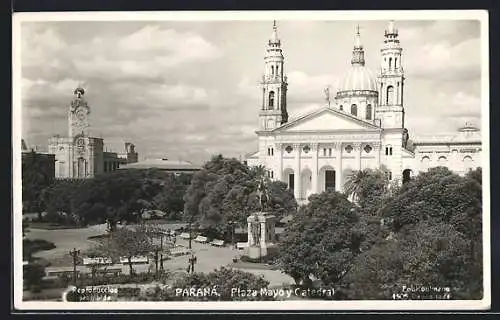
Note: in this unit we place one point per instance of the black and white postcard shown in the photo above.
(251, 160)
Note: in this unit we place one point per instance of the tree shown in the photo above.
(36, 179)
(127, 242)
(438, 193)
(32, 275)
(224, 192)
(321, 240)
(352, 185)
(435, 222)
(433, 254)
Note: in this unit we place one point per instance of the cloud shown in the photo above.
(444, 61)
(190, 90)
(310, 87)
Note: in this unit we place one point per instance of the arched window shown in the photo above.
(388, 151)
(425, 162)
(390, 63)
(271, 99)
(272, 70)
(395, 63)
(442, 161)
(467, 163)
(354, 110)
(277, 70)
(390, 95)
(369, 112)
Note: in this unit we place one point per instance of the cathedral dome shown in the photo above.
(358, 77)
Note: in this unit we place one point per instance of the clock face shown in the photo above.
(80, 114)
(80, 142)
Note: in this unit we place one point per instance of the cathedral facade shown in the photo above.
(362, 127)
(79, 155)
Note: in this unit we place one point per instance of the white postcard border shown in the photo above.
(481, 15)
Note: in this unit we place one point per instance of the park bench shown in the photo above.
(180, 251)
(113, 271)
(97, 260)
(185, 235)
(201, 239)
(241, 245)
(135, 260)
(217, 243)
(61, 273)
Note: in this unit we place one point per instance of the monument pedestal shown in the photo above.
(261, 235)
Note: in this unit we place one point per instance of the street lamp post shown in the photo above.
(74, 253)
(190, 235)
(232, 225)
(192, 262)
(161, 252)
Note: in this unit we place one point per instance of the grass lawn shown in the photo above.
(65, 240)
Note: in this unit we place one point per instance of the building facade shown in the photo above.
(79, 155)
(362, 127)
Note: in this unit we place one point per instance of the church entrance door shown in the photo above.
(291, 181)
(329, 179)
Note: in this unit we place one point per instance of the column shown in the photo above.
(357, 153)
(279, 155)
(91, 159)
(296, 172)
(278, 99)
(250, 236)
(263, 233)
(338, 167)
(314, 174)
(377, 146)
(71, 160)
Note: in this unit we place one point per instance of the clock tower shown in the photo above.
(79, 115)
(78, 155)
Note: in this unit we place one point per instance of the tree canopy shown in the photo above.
(321, 240)
(225, 190)
(121, 195)
(425, 233)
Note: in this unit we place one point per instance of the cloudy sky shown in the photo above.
(186, 90)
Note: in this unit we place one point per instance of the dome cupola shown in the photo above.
(357, 92)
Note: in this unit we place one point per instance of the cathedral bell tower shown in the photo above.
(391, 110)
(273, 111)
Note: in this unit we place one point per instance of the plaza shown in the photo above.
(209, 257)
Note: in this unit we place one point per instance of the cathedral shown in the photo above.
(363, 126)
(79, 155)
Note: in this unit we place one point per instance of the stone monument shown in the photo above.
(261, 228)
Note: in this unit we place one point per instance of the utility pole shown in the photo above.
(74, 253)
